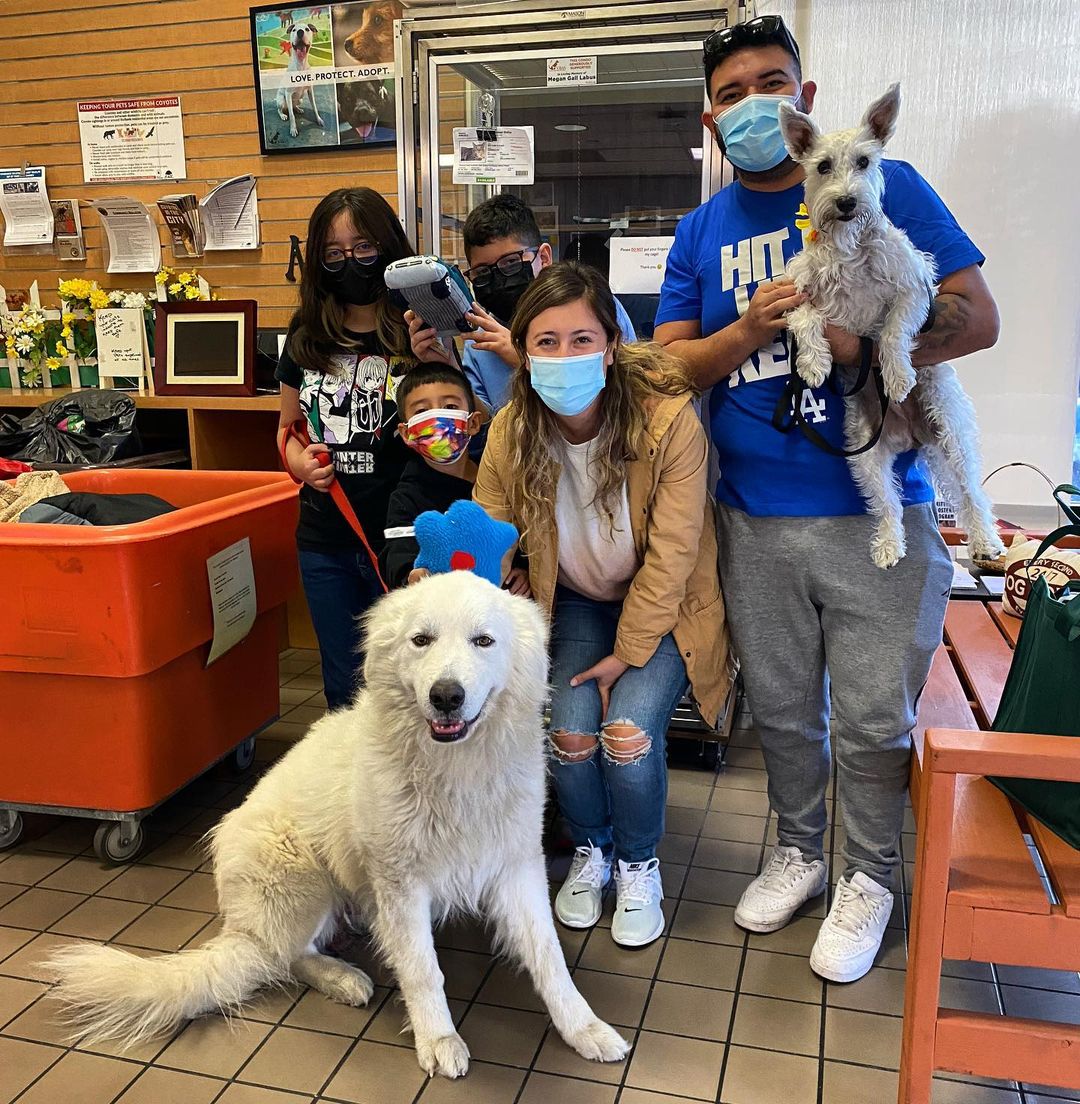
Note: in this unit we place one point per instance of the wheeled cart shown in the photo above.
(107, 706)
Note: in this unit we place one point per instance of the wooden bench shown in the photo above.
(978, 893)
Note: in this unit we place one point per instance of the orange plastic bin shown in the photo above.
(108, 706)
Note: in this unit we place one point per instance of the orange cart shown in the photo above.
(108, 705)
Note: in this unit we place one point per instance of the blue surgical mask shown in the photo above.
(750, 132)
(567, 385)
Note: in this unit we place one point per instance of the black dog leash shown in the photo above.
(796, 388)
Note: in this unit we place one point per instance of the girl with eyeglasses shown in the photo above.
(347, 347)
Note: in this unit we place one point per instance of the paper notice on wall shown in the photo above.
(572, 70)
(131, 234)
(230, 214)
(637, 264)
(126, 140)
(232, 596)
(503, 155)
(24, 201)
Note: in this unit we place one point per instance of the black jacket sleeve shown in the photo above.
(399, 553)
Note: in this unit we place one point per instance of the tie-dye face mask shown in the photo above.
(440, 436)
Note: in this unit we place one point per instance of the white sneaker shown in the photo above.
(780, 890)
(638, 917)
(851, 934)
(578, 903)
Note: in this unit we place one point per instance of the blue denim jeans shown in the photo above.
(619, 807)
(339, 586)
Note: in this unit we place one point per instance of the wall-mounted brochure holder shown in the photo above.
(28, 217)
(131, 239)
(67, 225)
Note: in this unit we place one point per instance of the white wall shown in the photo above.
(991, 117)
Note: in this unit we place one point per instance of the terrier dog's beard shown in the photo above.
(846, 230)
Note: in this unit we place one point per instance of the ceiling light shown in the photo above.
(571, 128)
(696, 152)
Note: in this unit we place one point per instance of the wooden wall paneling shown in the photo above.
(57, 53)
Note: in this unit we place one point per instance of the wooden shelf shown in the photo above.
(37, 396)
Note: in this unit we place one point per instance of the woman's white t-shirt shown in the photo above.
(593, 560)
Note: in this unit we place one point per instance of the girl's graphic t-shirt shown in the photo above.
(351, 410)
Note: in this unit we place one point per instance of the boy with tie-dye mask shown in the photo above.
(439, 417)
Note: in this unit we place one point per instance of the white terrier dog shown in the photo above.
(863, 274)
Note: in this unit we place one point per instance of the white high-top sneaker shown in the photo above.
(780, 890)
(578, 903)
(638, 918)
(850, 936)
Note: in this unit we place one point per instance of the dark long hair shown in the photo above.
(318, 327)
(637, 372)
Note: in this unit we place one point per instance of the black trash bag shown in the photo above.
(13, 438)
(86, 427)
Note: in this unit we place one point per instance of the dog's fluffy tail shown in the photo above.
(108, 993)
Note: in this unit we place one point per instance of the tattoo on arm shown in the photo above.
(953, 315)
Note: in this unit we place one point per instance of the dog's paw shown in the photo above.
(447, 1056)
(599, 1043)
(293, 131)
(812, 371)
(898, 377)
(887, 551)
(986, 546)
(353, 987)
(319, 123)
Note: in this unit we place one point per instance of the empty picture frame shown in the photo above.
(205, 348)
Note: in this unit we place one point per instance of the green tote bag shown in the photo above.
(1042, 693)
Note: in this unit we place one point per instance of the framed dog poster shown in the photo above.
(205, 348)
(324, 75)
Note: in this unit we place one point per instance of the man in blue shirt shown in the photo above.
(505, 253)
(819, 629)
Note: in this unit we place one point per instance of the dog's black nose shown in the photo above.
(846, 204)
(447, 695)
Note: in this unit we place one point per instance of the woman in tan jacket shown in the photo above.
(601, 462)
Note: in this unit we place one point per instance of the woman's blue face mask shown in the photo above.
(568, 385)
(749, 132)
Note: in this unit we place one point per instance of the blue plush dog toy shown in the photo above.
(465, 538)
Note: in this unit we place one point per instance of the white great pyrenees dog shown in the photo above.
(424, 799)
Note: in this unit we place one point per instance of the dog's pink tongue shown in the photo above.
(364, 129)
(444, 729)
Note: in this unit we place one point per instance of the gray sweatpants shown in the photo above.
(814, 622)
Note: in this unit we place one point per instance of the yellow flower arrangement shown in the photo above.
(28, 337)
(180, 286)
(77, 291)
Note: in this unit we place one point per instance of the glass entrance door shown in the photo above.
(624, 157)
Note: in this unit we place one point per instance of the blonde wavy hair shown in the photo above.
(637, 372)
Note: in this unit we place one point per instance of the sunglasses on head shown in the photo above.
(765, 30)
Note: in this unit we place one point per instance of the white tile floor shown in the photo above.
(715, 1014)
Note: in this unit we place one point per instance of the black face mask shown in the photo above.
(501, 294)
(357, 284)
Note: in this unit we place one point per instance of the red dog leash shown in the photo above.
(298, 431)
